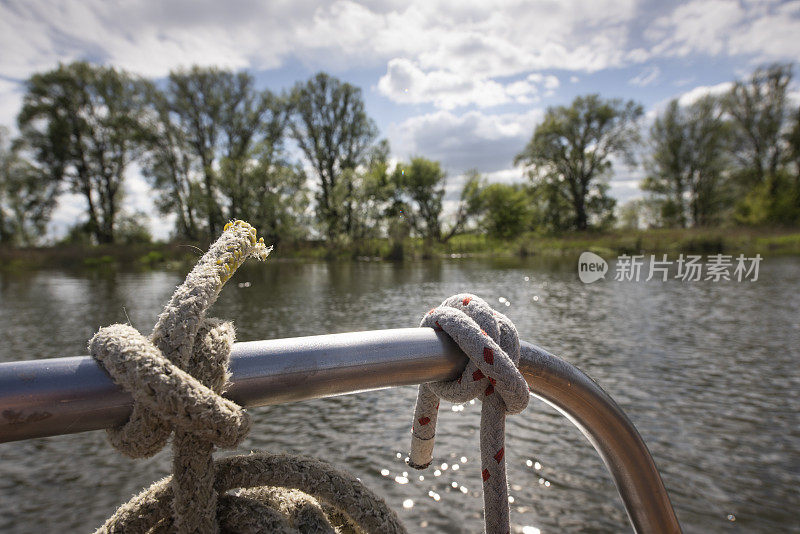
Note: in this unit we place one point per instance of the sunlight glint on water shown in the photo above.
(707, 372)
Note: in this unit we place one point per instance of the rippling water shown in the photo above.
(707, 371)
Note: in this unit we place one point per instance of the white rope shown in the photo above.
(491, 342)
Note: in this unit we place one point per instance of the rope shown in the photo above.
(491, 342)
(176, 377)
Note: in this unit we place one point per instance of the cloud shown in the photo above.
(693, 95)
(646, 77)
(455, 53)
(487, 142)
(625, 190)
(698, 26)
(771, 36)
(10, 104)
(686, 98)
(405, 82)
(152, 37)
(762, 30)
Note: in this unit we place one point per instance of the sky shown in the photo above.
(463, 82)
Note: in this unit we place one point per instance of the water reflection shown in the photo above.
(708, 373)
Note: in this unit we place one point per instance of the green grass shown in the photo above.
(749, 241)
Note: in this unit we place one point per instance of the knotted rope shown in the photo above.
(175, 377)
(491, 342)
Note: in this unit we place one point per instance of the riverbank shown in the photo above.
(750, 241)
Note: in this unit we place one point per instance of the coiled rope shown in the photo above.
(176, 377)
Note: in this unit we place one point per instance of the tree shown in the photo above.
(759, 111)
(169, 167)
(27, 198)
(216, 151)
(506, 210)
(420, 187)
(82, 123)
(274, 196)
(571, 151)
(334, 133)
(470, 203)
(253, 123)
(688, 162)
(197, 97)
(639, 213)
(374, 190)
(793, 145)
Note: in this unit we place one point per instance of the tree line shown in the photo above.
(214, 147)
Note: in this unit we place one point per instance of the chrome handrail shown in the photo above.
(68, 395)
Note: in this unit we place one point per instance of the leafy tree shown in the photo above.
(374, 213)
(169, 167)
(216, 152)
(82, 123)
(506, 208)
(197, 99)
(764, 147)
(420, 187)
(551, 206)
(688, 163)
(470, 203)
(571, 152)
(133, 229)
(334, 133)
(26, 196)
(793, 145)
(640, 213)
(253, 123)
(759, 111)
(274, 196)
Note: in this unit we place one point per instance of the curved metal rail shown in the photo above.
(68, 395)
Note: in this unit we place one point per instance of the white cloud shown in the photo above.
(456, 54)
(771, 36)
(458, 50)
(687, 98)
(10, 103)
(693, 95)
(487, 142)
(762, 30)
(646, 77)
(405, 82)
(152, 37)
(698, 26)
(513, 175)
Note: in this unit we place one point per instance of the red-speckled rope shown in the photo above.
(491, 342)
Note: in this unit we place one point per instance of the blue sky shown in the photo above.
(461, 82)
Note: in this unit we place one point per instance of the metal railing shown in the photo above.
(69, 395)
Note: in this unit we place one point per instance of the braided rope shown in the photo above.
(175, 377)
(491, 342)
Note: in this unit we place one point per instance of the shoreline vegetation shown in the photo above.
(308, 168)
(769, 242)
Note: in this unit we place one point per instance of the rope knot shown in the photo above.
(491, 342)
(176, 377)
(167, 397)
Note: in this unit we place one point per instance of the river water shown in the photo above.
(709, 372)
